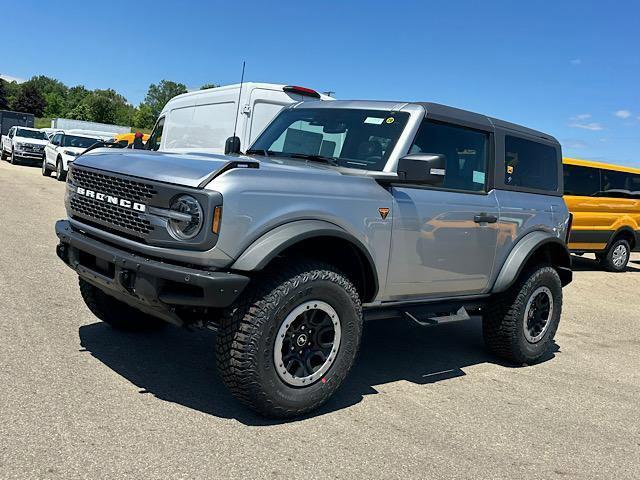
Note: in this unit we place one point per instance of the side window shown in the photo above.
(156, 136)
(465, 151)
(582, 181)
(614, 183)
(11, 132)
(530, 164)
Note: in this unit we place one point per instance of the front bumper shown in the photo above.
(27, 155)
(152, 286)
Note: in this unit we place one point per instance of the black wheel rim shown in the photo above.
(538, 314)
(307, 343)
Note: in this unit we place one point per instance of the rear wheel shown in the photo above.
(61, 175)
(288, 347)
(616, 258)
(520, 324)
(117, 314)
(45, 168)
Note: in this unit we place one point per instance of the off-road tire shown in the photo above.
(503, 323)
(607, 261)
(61, 175)
(115, 313)
(45, 169)
(247, 335)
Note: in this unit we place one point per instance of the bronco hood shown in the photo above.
(187, 169)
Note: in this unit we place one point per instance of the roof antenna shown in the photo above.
(232, 145)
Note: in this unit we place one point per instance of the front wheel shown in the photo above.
(616, 258)
(14, 159)
(287, 348)
(520, 324)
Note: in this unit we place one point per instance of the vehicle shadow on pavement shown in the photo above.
(178, 366)
(584, 264)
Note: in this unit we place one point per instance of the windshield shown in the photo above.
(35, 134)
(344, 137)
(79, 142)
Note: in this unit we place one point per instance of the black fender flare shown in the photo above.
(263, 250)
(616, 234)
(524, 249)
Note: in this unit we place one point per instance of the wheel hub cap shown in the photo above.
(619, 256)
(307, 343)
(538, 314)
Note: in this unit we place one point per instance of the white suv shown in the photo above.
(63, 148)
(23, 143)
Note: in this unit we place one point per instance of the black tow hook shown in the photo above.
(63, 252)
(127, 279)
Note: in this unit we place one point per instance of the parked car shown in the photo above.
(22, 144)
(340, 211)
(605, 202)
(63, 148)
(204, 119)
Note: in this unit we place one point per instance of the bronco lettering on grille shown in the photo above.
(140, 207)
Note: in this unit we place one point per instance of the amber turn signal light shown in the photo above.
(217, 217)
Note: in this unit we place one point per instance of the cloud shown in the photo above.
(582, 116)
(575, 144)
(576, 61)
(10, 78)
(623, 114)
(593, 126)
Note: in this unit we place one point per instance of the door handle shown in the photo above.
(485, 218)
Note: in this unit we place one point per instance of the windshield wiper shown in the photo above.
(260, 151)
(314, 158)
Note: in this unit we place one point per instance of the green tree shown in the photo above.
(158, 95)
(13, 90)
(4, 100)
(75, 97)
(46, 85)
(29, 100)
(101, 107)
(80, 112)
(55, 104)
(208, 85)
(143, 117)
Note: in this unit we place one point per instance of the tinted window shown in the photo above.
(465, 152)
(583, 181)
(79, 142)
(156, 136)
(530, 164)
(617, 182)
(35, 134)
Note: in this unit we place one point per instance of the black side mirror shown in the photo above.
(422, 168)
(232, 145)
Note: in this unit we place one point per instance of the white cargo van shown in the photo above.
(204, 119)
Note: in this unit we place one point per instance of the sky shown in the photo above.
(568, 68)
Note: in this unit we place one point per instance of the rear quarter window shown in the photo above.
(530, 165)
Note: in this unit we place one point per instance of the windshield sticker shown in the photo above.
(374, 120)
(478, 177)
(390, 120)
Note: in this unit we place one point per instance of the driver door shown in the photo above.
(445, 236)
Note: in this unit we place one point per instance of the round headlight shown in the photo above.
(187, 224)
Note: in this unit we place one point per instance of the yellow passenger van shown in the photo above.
(126, 139)
(605, 202)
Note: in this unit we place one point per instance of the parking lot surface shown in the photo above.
(80, 400)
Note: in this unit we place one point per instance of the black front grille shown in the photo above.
(116, 186)
(123, 218)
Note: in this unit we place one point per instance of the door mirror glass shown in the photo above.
(422, 168)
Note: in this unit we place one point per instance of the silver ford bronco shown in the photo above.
(339, 212)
